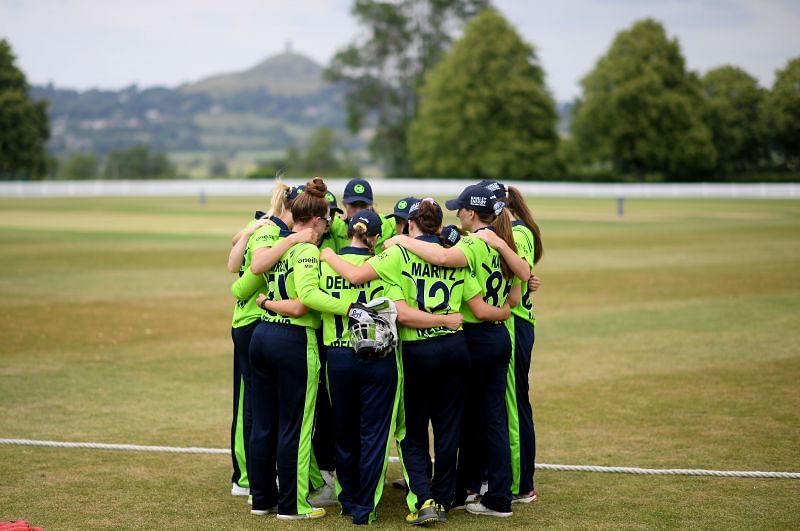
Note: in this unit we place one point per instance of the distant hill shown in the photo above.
(286, 74)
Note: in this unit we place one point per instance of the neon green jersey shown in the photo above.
(484, 264)
(431, 288)
(330, 240)
(388, 229)
(296, 276)
(335, 332)
(524, 240)
(338, 232)
(246, 291)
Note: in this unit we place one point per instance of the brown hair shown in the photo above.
(502, 227)
(516, 203)
(360, 230)
(428, 217)
(311, 203)
(280, 202)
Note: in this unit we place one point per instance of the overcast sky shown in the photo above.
(114, 43)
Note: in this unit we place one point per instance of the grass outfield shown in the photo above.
(669, 338)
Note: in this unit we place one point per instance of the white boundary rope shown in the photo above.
(539, 466)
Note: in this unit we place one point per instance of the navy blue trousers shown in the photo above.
(362, 398)
(434, 372)
(484, 431)
(524, 337)
(285, 367)
(241, 373)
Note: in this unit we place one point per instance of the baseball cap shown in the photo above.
(293, 191)
(450, 235)
(357, 190)
(369, 219)
(498, 188)
(331, 199)
(474, 197)
(402, 206)
(413, 210)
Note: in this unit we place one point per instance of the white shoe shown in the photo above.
(323, 497)
(479, 508)
(316, 512)
(236, 490)
(329, 477)
(528, 497)
(264, 512)
(471, 497)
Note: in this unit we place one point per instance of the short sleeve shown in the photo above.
(471, 286)
(266, 236)
(388, 264)
(469, 247)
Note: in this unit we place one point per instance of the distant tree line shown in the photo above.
(136, 162)
(324, 155)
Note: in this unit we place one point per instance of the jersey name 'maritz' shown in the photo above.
(434, 289)
(484, 263)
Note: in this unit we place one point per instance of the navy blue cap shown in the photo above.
(475, 197)
(331, 199)
(293, 191)
(498, 188)
(413, 210)
(369, 219)
(357, 190)
(450, 235)
(402, 206)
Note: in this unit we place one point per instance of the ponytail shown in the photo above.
(360, 231)
(280, 200)
(516, 203)
(502, 227)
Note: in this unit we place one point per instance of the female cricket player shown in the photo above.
(484, 437)
(435, 359)
(522, 435)
(246, 315)
(285, 369)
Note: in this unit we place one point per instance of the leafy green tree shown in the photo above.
(24, 126)
(783, 111)
(79, 166)
(733, 109)
(485, 111)
(642, 111)
(385, 69)
(137, 163)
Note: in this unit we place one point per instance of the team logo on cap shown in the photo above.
(402, 205)
(477, 201)
(359, 188)
(414, 207)
(329, 197)
(493, 186)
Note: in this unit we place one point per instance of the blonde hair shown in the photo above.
(280, 199)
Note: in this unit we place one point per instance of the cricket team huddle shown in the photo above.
(354, 331)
